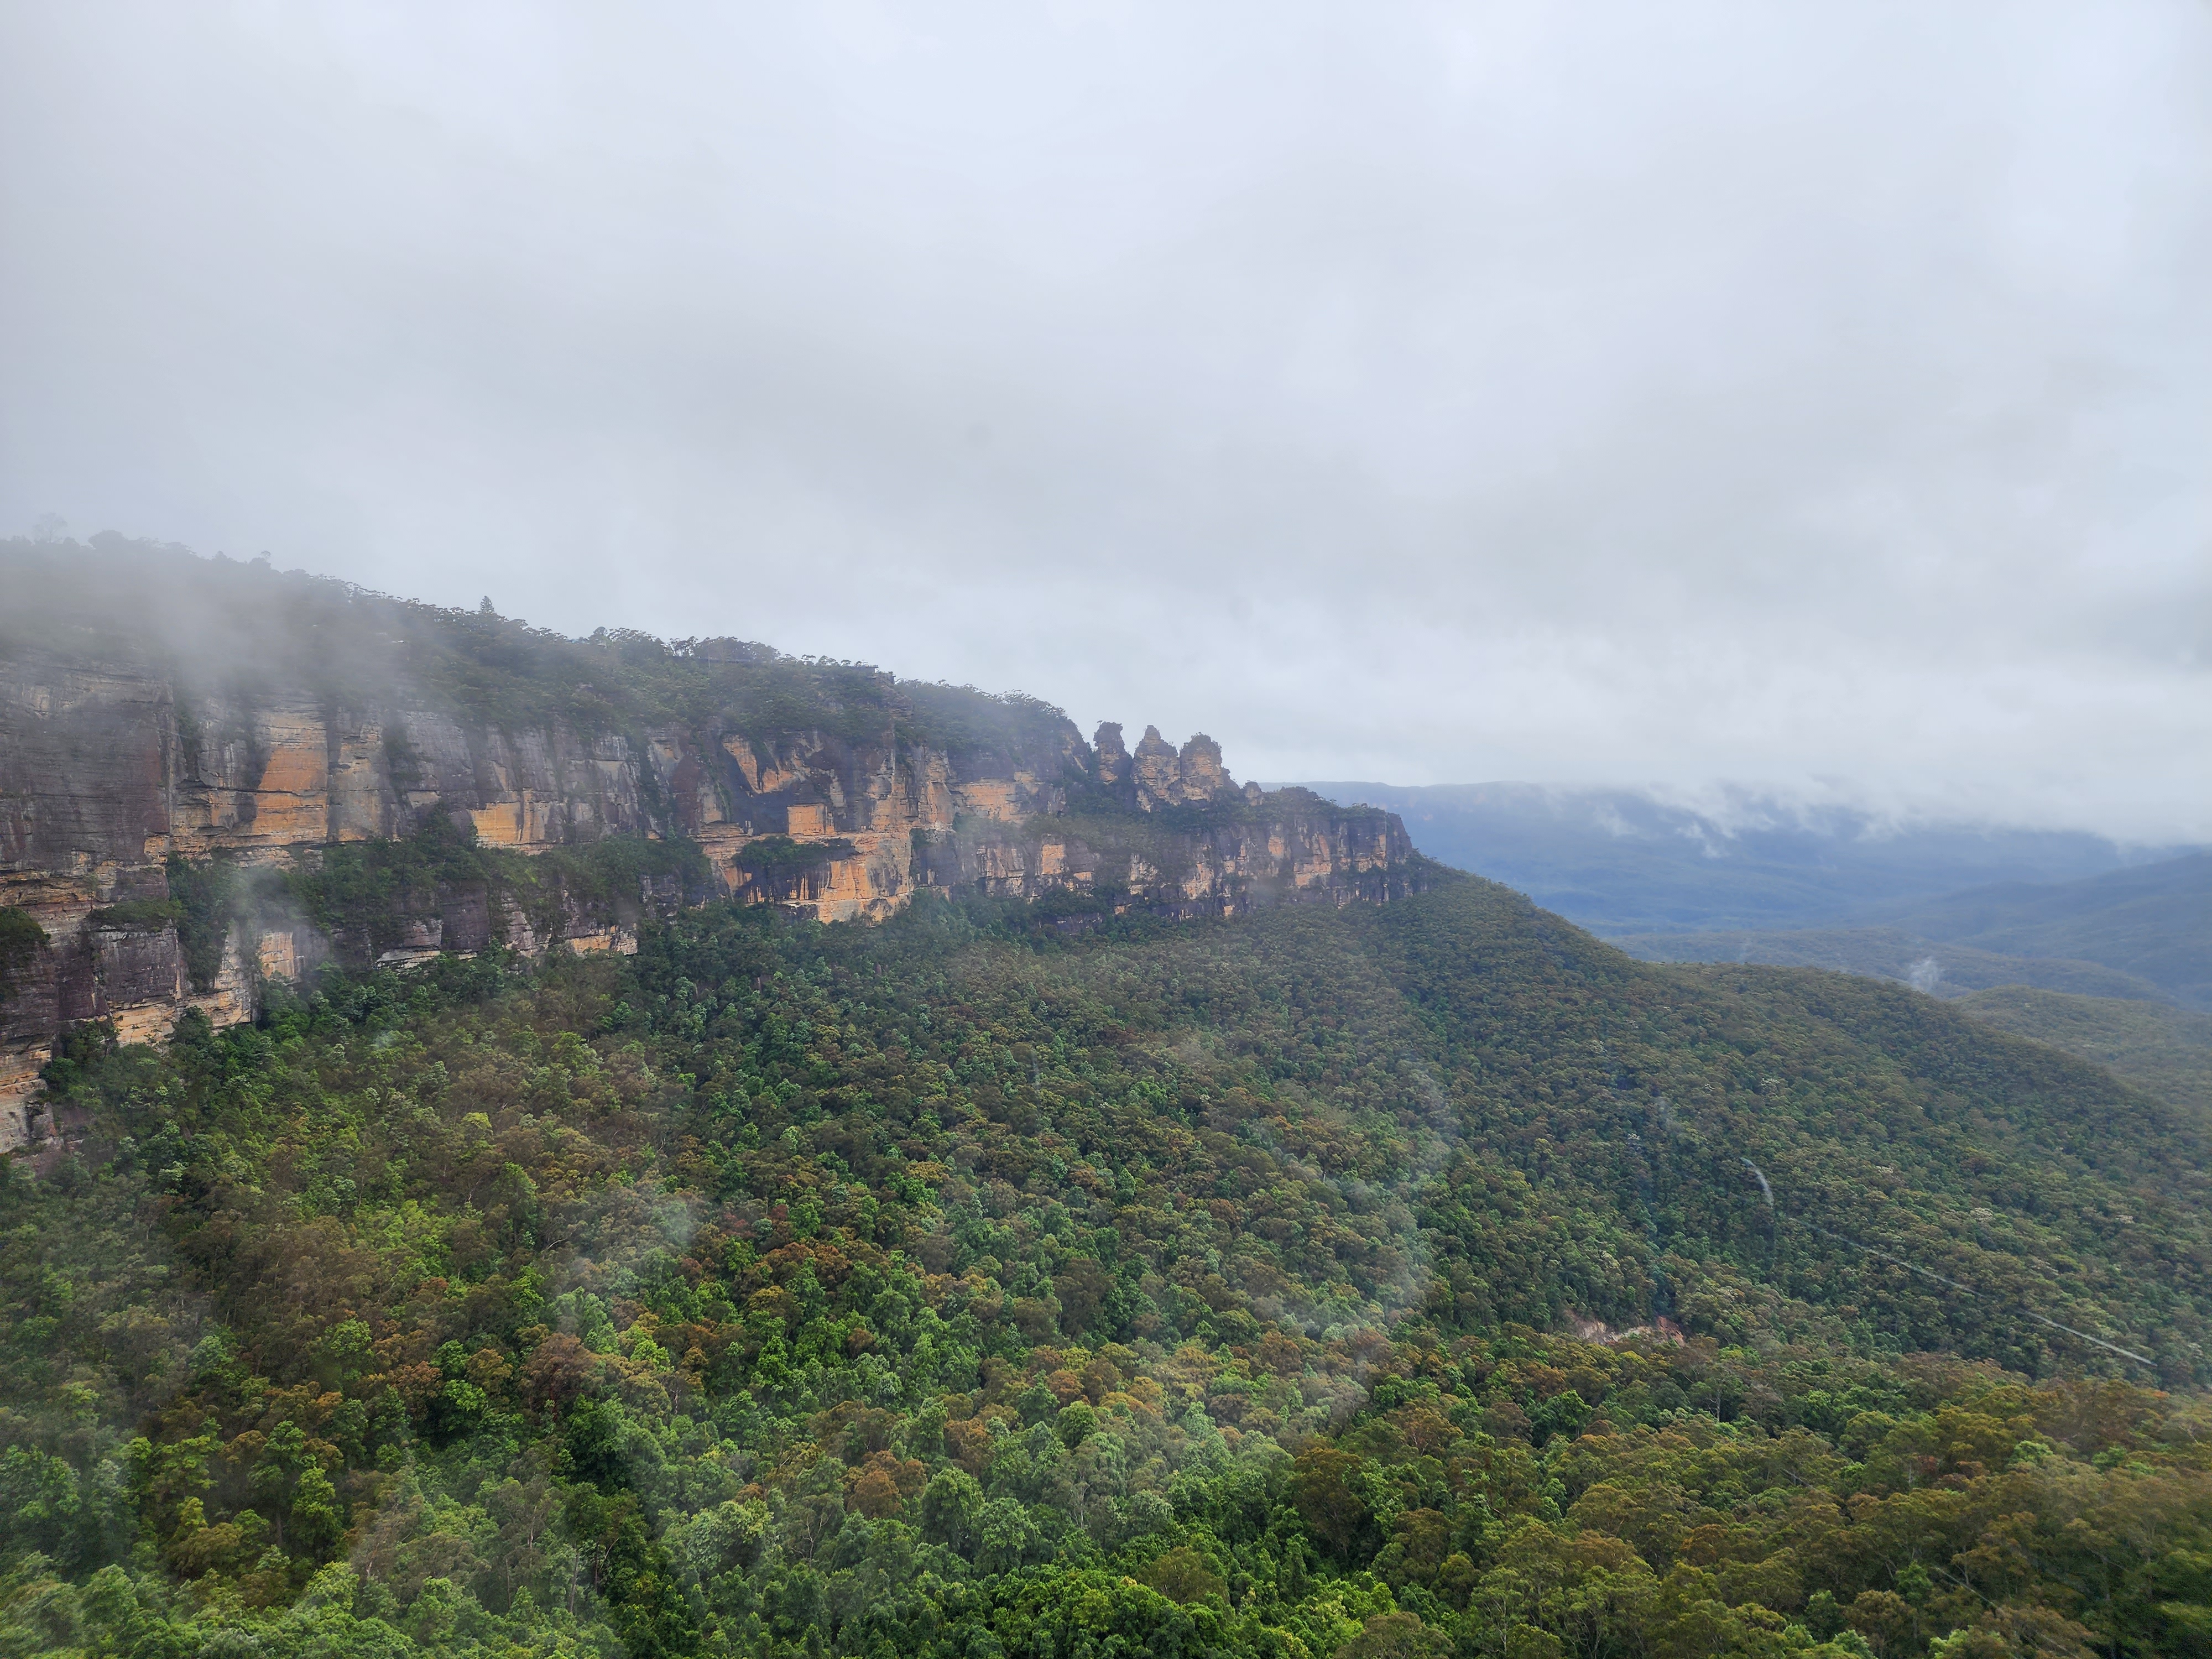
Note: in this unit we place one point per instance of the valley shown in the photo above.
(1177, 1218)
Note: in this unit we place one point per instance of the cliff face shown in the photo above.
(831, 790)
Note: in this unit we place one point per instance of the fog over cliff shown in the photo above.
(1816, 399)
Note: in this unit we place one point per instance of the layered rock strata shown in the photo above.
(110, 770)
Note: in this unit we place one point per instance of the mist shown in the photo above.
(1811, 403)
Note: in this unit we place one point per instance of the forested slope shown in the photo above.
(959, 1286)
(2161, 1049)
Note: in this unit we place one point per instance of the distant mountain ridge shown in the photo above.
(2154, 922)
(1930, 965)
(1622, 861)
(2140, 934)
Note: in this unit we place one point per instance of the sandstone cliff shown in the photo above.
(237, 720)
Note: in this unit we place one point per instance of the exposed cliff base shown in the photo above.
(212, 774)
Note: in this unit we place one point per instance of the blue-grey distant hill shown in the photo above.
(1618, 861)
(2152, 923)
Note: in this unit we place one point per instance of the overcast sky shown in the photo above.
(1812, 396)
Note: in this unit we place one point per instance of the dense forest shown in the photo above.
(1423, 1280)
(2164, 1050)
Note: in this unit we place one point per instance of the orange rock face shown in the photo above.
(107, 769)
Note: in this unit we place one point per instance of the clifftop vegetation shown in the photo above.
(227, 627)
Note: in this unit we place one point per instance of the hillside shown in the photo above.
(596, 1245)
(2094, 967)
(959, 1279)
(2162, 1050)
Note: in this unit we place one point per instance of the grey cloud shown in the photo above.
(1817, 400)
